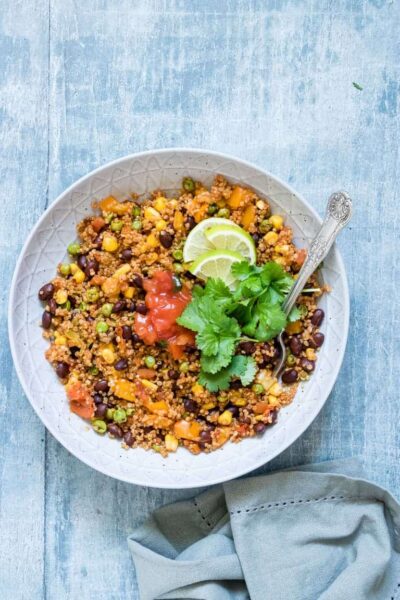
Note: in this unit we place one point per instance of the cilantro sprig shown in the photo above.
(222, 318)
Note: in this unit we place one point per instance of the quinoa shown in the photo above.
(143, 394)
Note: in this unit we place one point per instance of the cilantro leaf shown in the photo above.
(243, 367)
(219, 292)
(267, 321)
(192, 318)
(297, 312)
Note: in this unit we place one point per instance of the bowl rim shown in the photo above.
(114, 163)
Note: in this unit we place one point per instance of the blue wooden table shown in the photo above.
(82, 83)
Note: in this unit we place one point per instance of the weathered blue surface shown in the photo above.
(82, 83)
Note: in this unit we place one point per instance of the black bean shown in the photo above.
(101, 410)
(52, 306)
(131, 306)
(318, 339)
(90, 319)
(97, 398)
(137, 281)
(126, 332)
(190, 405)
(141, 308)
(46, 319)
(135, 338)
(177, 283)
(317, 317)
(205, 436)
(296, 346)
(74, 351)
(234, 410)
(259, 428)
(236, 384)
(119, 306)
(307, 365)
(98, 241)
(189, 223)
(114, 430)
(62, 369)
(190, 349)
(166, 239)
(245, 420)
(46, 292)
(255, 237)
(289, 376)
(273, 415)
(82, 261)
(92, 267)
(128, 438)
(121, 364)
(264, 363)
(190, 275)
(126, 254)
(101, 385)
(173, 374)
(72, 301)
(247, 347)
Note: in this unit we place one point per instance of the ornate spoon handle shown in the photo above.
(338, 214)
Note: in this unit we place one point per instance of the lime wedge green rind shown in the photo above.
(216, 264)
(196, 242)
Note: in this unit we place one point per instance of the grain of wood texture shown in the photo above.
(269, 81)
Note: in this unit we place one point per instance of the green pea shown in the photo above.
(156, 447)
(136, 211)
(119, 415)
(74, 248)
(110, 414)
(106, 309)
(150, 361)
(265, 226)
(66, 305)
(137, 224)
(224, 213)
(184, 367)
(116, 225)
(130, 412)
(304, 376)
(92, 294)
(108, 218)
(177, 254)
(64, 269)
(99, 426)
(83, 306)
(290, 360)
(101, 327)
(212, 209)
(257, 388)
(188, 184)
(93, 371)
(178, 268)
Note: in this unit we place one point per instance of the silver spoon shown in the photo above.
(338, 214)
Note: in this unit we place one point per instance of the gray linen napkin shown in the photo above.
(315, 532)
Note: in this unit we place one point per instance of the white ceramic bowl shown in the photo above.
(46, 246)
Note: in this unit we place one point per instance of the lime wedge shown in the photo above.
(196, 242)
(217, 264)
(232, 237)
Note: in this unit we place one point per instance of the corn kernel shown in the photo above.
(160, 203)
(79, 276)
(73, 268)
(149, 384)
(276, 222)
(310, 353)
(108, 355)
(151, 214)
(60, 340)
(259, 417)
(271, 238)
(152, 241)
(225, 418)
(209, 405)
(239, 402)
(110, 243)
(197, 389)
(161, 225)
(280, 260)
(282, 249)
(61, 296)
(123, 270)
(171, 443)
(273, 400)
(275, 390)
(178, 220)
(129, 293)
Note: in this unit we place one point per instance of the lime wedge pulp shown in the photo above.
(196, 243)
(232, 237)
(216, 264)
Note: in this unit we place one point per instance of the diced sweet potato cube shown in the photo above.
(187, 430)
(124, 389)
(237, 196)
(249, 216)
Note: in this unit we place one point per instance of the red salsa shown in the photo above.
(165, 303)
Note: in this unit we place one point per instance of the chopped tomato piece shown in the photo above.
(80, 401)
